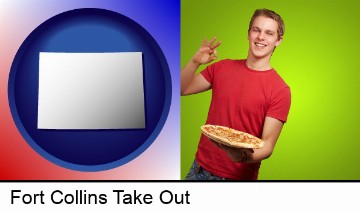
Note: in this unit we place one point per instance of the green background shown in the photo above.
(319, 60)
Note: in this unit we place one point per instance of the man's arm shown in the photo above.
(192, 83)
(271, 131)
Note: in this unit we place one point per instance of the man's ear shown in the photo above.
(279, 41)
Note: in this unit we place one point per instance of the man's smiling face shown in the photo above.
(263, 37)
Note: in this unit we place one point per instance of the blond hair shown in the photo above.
(269, 14)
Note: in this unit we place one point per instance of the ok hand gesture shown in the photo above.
(207, 52)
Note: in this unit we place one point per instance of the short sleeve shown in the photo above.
(209, 72)
(280, 104)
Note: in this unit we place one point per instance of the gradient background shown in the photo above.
(318, 58)
(18, 161)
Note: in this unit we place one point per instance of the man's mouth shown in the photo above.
(260, 44)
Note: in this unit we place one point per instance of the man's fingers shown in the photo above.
(212, 41)
(211, 44)
(216, 45)
(215, 53)
(209, 49)
(205, 50)
(204, 42)
(212, 58)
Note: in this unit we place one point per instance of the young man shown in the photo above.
(247, 95)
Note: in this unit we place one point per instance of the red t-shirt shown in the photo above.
(241, 99)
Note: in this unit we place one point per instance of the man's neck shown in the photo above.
(259, 64)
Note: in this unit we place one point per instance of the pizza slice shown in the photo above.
(231, 137)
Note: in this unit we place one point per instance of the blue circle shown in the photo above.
(89, 30)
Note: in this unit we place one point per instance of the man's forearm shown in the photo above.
(259, 155)
(187, 74)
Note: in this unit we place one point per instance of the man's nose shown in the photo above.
(261, 36)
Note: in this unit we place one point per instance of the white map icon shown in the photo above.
(91, 91)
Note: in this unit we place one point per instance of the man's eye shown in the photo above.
(270, 33)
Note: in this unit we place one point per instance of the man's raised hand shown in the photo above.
(207, 52)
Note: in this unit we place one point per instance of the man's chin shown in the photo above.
(261, 55)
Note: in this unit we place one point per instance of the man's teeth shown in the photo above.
(260, 45)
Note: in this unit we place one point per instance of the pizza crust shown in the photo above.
(231, 137)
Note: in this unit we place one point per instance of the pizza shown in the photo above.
(231, 137)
